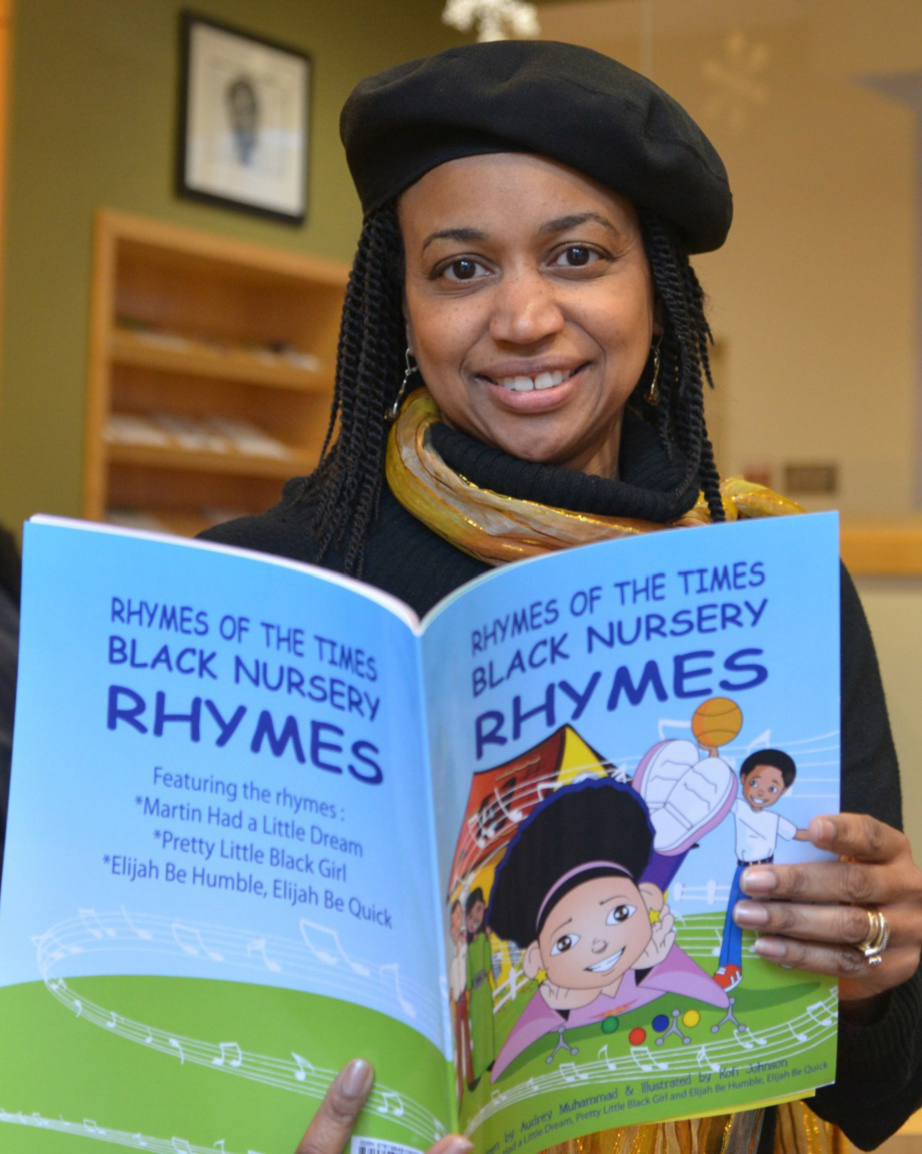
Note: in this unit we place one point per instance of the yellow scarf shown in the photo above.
(797, 1131)
(496, 529)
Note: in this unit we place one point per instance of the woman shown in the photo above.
(530, 209)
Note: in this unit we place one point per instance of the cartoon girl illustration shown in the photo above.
(479, 989)
(569, 893)
(457, 981)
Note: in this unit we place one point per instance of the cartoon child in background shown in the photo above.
(568, 893)
(457, 981)
(765, 776)
(688, 787)
(479, 989)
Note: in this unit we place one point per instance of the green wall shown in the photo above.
(93, 117)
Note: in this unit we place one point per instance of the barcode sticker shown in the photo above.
(373, 1146)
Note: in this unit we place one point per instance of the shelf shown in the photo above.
(210, 372)
(180, 522)
(230, 364)
(882, 546)
(241, 464)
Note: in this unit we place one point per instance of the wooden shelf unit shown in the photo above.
(191, 327)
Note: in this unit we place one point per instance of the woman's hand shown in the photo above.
(812, 916)
(331, 1128)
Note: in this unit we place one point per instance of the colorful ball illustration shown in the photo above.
(716, 722)
(660, 1023)
(609, 1025)
(637, 1036)
(691, 1018)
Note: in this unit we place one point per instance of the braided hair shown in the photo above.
(346, 487)
(684, 362)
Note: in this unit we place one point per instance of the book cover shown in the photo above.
(263, 822)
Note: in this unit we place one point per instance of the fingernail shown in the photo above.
(750, 914)
(758, 880)
(771, 948)
(356, 1078)
(822, 829)
(457, 1144)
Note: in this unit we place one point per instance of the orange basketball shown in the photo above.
(716, 722)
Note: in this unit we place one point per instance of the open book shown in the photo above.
(263, 821)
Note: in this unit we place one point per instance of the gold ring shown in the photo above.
(875, 941)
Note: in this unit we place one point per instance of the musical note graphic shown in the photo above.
(144, 935)
(190, 942)
(55, 947)
(799, 1036)
(571, 1074)
(228, 1048)
(322, 955)
(258, 947)
(393, 970)
(763, 741)
(392, 1104)
(513, 815)
(820, 1014)
(90, 919)
(181, 1146)
(639, 1053)
(303, 1067)
(321, 951)
(704, 1060)
(609, 1062)
(665, 726)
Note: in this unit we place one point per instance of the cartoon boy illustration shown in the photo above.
(568, 893)
(479, 990)
(765, 776)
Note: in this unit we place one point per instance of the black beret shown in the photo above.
(556, 100)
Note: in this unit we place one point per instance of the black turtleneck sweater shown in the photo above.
(408, 560)
(879, 1075)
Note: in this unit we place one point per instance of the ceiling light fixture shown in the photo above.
(493, 19)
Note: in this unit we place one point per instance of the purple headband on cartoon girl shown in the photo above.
(584, 867)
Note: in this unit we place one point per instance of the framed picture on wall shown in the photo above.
(244, 118)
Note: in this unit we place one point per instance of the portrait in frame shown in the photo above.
(244, 117)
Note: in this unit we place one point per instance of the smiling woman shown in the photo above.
(529, 213)
(531, 315)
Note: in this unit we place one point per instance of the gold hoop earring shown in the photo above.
(412, 367)
(651, 396)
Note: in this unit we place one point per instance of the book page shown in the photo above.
(218, 879)
(616, 731)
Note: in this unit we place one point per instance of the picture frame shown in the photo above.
(244, 121)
